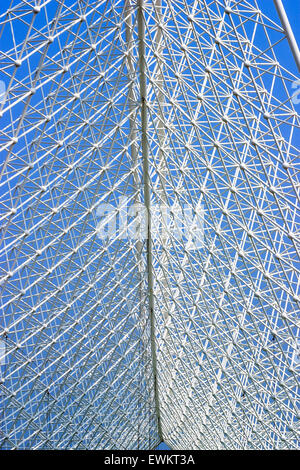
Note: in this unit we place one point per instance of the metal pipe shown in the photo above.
(134, 160)
(288, 31)
(146, 175)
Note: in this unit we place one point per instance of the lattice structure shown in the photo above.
(120, 338)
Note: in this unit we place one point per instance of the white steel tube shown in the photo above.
(288, 31)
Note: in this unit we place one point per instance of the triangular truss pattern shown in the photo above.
(120, 341)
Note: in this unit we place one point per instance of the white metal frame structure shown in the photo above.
(120, 342)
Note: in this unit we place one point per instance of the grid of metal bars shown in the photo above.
(122, 341)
